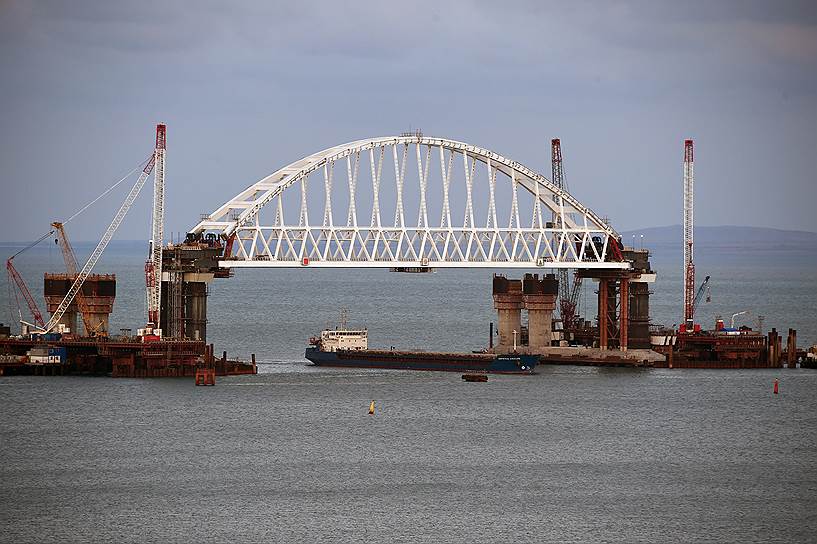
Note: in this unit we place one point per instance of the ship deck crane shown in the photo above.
(732, 321)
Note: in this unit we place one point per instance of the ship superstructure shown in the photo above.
(332, 340)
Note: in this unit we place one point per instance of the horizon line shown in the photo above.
(11, 243)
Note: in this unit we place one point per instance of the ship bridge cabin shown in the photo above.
(344, 339)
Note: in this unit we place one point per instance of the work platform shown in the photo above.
(119, 357)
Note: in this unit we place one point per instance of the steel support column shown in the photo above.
(624, 313)
(603, 314)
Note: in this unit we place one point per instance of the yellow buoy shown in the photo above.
(371, 409)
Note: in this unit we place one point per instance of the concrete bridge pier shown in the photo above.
(508, 303)
(187, 270)
(539, 298)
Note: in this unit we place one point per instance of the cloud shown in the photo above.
(284, 79)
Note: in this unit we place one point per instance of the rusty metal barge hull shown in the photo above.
(118, 358)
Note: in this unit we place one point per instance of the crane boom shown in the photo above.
(699, 295)
(103, 243)
(71, 266)
(21, 285)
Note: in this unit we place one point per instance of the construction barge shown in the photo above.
(172, 342)
(118, 357)
(729, 348)
(178, 351)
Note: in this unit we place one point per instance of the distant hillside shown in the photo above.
(725, 236)
(730, 244)
(90, 244)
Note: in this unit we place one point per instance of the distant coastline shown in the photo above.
(729, 243)
(720, 234)
(710, 236)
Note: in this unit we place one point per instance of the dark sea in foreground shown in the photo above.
(570, 455)
(290, 455)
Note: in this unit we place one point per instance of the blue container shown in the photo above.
(60, 352)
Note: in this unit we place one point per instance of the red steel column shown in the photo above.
(624, 318)
(603, 313)
(779, 350)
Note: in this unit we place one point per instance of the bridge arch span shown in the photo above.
(462, 184)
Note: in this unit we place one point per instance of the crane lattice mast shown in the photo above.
(689, 265)
(568, 293)
(153, 266)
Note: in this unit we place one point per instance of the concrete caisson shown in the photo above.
(508, 304)
(539, 299)
(99, 293)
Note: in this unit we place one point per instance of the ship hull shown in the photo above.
(419, 360)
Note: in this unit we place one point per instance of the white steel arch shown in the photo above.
(575, 238)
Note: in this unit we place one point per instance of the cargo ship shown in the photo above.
(344, 347)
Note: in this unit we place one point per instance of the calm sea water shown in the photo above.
(569, 455)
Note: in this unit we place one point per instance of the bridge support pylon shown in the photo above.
(624, 302)
(539, 298)
(187, 270)
(508, 303)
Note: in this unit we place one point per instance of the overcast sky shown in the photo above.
(248, 87)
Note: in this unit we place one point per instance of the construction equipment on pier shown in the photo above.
(71, 267)
(689, 264)
(15, 277)
(100, 248)
(568, 291)
(153, 266)
(699, 296)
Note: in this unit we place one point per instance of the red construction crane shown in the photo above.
(689, 265)
(83, 274)
(153, 265)
(568, 291)
(75, 290)
(21, 286)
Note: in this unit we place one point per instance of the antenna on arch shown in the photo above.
(412, 133)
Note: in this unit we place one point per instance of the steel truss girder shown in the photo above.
(578, 239)
(282, 246)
